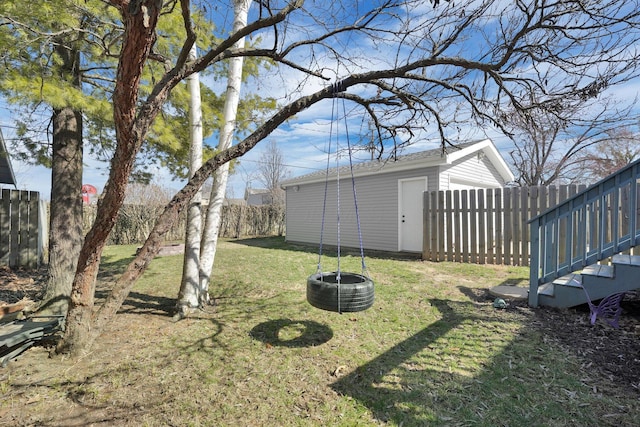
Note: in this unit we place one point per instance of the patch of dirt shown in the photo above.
(20, 289)
(615, 353)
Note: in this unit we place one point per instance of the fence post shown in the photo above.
(534, 266)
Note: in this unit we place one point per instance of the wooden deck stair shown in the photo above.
(581, 243)
(599, 280)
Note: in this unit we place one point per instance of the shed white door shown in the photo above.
(410, 213)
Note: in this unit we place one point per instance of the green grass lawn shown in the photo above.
(431, 351)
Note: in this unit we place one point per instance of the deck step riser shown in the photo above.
(600, 287)
(599, 282)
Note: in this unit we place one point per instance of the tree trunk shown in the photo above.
(65, 220)
(190, 296)
(214, 213)
(138, 40)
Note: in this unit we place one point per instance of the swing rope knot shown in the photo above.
(338, 87)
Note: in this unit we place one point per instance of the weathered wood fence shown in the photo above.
(20, 244)
(485, 226)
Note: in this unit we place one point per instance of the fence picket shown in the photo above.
(426, 224)
(491, 220)
(457, 228)
(524, 217)
(14, 237)
(463, 248)
(515, 224)
(448, 220)
(482, 228)
(508, 231)
(499, 241)
(473, 221)
(433, 230)
(441, 223)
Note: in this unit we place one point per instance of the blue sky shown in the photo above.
(303, 140)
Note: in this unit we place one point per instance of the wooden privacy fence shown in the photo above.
(485, 226)
(20, 244)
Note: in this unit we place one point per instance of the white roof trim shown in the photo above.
(492, 153)
(371, 168)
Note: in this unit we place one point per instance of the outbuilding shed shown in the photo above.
(6, 171)
(389, 196)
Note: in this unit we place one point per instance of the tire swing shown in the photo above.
(340, 291)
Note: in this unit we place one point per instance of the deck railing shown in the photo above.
(593, 225)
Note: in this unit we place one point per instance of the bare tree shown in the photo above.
(551, 148)
(147, 194)
(272, 171)
(621, 148)
(523, 56)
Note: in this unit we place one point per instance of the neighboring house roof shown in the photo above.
(434, 157)
(258, 196)
(252, 191)
(6, 170)
(233, 202)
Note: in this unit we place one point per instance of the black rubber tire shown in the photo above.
(356, 292)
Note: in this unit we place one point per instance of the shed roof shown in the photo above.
(6, 170)
(434, 157)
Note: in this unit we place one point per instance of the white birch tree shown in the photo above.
(210, 232)
(190, 295)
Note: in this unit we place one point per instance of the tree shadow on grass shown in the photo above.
(144, 304)
(414, 382)
(292, 333)
(139, 303)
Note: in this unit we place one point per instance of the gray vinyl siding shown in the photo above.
(377, 197)
(481, 172)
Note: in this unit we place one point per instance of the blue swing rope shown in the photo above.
(326, 187)
(355, 198)
(337, 88)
